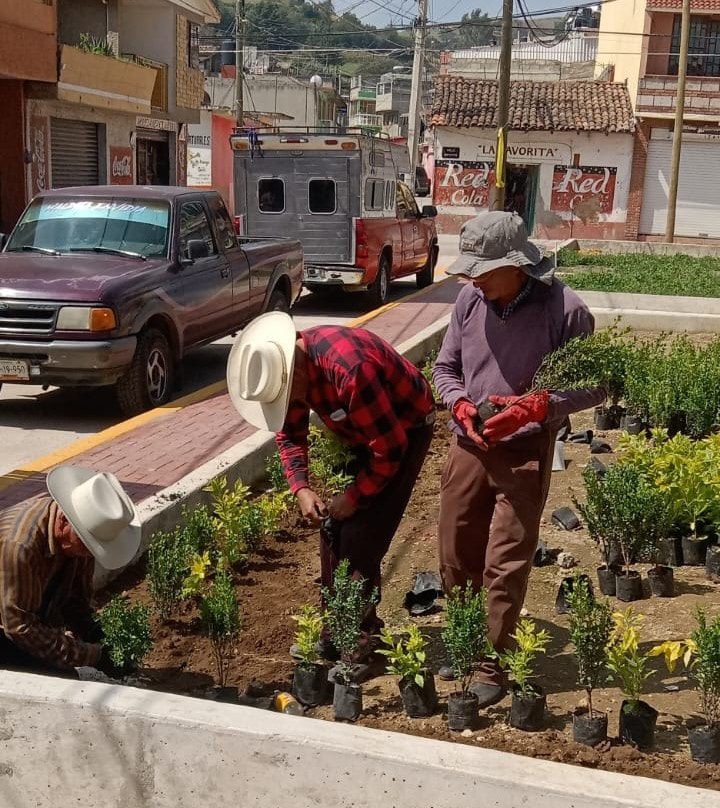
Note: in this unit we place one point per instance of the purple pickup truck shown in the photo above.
(113, 285)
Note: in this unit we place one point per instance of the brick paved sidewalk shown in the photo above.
(160, 453)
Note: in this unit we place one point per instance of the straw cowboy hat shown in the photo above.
(260, 370)
(100, 512)
(497, 239)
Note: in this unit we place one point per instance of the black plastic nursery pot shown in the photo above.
(463, 709)
(419, 702)
(662, 582)
(347, 702)
(485, 411)
(310, 684)
(226, 695)
(607, 417)
(632, 424)
(628, 586)
(704, 743)
(527, 713)
(589, 730)
(637, 725)
(712, 564)
(567, 585)
(606, 580)
(695, 550)
(669, 552)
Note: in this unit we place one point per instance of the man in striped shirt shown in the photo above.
(48, 548)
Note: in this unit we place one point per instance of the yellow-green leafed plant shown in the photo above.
(200, 567)
(406, 655)
(625, 659)
(307, 636)
(519, 662)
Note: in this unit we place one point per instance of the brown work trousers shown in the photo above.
(490, 508)
(365, 537)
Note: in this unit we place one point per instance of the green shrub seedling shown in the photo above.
(126, 633)
(221, 619)
(705, 666)
(465, 635)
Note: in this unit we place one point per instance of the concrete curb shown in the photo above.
(650, 247)
(246, 460)
(102, 745)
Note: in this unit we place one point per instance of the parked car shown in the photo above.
(359, 225)
(114, 285)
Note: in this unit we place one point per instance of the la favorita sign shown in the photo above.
(526, 152)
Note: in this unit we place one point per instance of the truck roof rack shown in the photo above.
(312, 130)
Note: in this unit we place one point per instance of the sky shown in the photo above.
(382, 12)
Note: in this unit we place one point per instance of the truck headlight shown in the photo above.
(85, 318)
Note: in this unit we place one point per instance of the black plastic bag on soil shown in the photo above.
(426, 590)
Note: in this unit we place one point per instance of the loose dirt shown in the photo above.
(284, 576)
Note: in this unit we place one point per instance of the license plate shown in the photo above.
(14, 370)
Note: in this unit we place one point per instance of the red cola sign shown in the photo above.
(463, 183)
(592, 186)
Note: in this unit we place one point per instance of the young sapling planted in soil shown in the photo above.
(126, 633)
(310, 675)
(630, 668)
(346, 605)
(466, 643)
(591, 624)
(221, 620)
(406, 657)
(528, 700)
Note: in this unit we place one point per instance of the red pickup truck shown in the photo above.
(114, 285)
(340, 195)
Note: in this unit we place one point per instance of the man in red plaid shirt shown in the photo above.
(372, 398)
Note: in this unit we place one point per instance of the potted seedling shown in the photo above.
(406, 658)
(310, 676)
(701, 655)
(126, 634)
(590, 626)
(221, 619)
(466, 643)
(630, 667)
(528, 700)
(346, 605)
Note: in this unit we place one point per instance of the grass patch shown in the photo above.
(642, 273)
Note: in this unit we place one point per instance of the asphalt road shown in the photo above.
(34, 422)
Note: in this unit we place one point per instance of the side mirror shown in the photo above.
(428, 212)
(196, 249)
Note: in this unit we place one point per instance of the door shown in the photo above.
(235, 256)
(153, 158)
(521, 192)
(207, 281)
(74, 153)
(696, 211)
(416, 232)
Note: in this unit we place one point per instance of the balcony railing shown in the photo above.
(658, 94)
(367, 121)
(103, 81)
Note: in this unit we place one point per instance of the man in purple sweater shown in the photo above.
(508, 318)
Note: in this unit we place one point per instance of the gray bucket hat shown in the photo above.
(497, 239)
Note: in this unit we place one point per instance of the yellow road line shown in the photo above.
(77, 447)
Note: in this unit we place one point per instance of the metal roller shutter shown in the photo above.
(696, 213)
(74, 153)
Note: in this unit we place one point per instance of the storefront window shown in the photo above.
(704, 47)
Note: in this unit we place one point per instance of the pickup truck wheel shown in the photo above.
(378, 291)
(149, 381)
(427, 274)
(279, 302)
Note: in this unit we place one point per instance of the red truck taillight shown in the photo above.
(361, 242)
(239, 222)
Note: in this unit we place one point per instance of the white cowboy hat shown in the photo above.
(100, 512)
(260, 370)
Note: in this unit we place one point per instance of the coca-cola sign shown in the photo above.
(465, 184)
(121, 165)
(583, 190)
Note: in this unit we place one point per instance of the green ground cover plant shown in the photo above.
(126, 633)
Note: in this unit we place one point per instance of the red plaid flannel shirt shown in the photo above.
(364, 392)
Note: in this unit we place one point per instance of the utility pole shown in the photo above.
(677, 131)
(239, 61)
(416, 89)
(503, 106)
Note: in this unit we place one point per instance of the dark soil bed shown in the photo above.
(284, 577)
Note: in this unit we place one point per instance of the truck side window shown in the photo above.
(271, 195)
(410, 204)
(389, 195)
(374, 191)
(194, 225)
(402, 208)
(226, 232)
(321, 196)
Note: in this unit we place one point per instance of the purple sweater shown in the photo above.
(483, 355)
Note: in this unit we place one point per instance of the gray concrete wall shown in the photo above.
(101, 746)
(652, 248)
(523, 69)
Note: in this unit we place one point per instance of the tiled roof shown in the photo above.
(676, 5)
(554, 106)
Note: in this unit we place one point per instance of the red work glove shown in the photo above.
(519, 411)
(465, 413)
